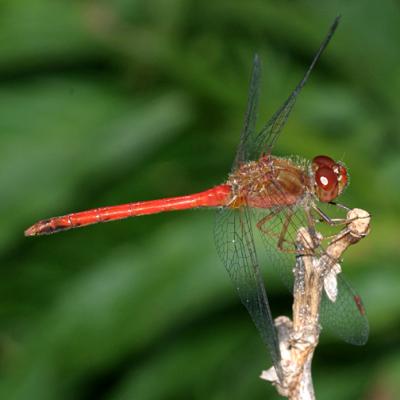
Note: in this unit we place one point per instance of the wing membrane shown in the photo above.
(250, 118)
(252, 144)
(236, 248)
(346, 316)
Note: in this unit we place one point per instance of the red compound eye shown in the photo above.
(323, 161)
(342, 175)
(326, 184)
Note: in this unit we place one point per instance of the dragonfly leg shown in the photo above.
(327, 219)
(332, 222)
(282, 236)
(282, 240)
(261, 224)
(335, 221)
(290, 246)
(340, 205)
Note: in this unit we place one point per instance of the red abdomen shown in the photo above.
(217, 196)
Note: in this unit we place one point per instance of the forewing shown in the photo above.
(255, 144)
(236, 248)
(250, 118)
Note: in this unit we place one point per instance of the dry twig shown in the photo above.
(299, 338)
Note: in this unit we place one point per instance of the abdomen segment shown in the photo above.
(217, 196)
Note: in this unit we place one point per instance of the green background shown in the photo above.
(109, 102)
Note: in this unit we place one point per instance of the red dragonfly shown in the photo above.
(264, 195)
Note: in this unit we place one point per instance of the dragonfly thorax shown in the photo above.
(268, 182)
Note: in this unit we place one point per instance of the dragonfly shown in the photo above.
(264, 202)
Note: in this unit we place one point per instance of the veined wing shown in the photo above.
(236, 248)
(346, 317)
(250, 117)
(253, 144)
(235, 244)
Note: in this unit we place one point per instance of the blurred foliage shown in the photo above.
(104, 102)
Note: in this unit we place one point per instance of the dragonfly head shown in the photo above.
(330, 178)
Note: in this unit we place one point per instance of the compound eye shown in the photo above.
(341, 173)
(322, 161)
(326, 179)
(327, 184)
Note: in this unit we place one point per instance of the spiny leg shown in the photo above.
(263, 222)
(327, 219)
(282, 235)
(284, 231)
(334, 221)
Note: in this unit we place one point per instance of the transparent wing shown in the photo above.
(250, 118)
(252, 144)
(280, 224)
(346, 316)
(236, 248)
